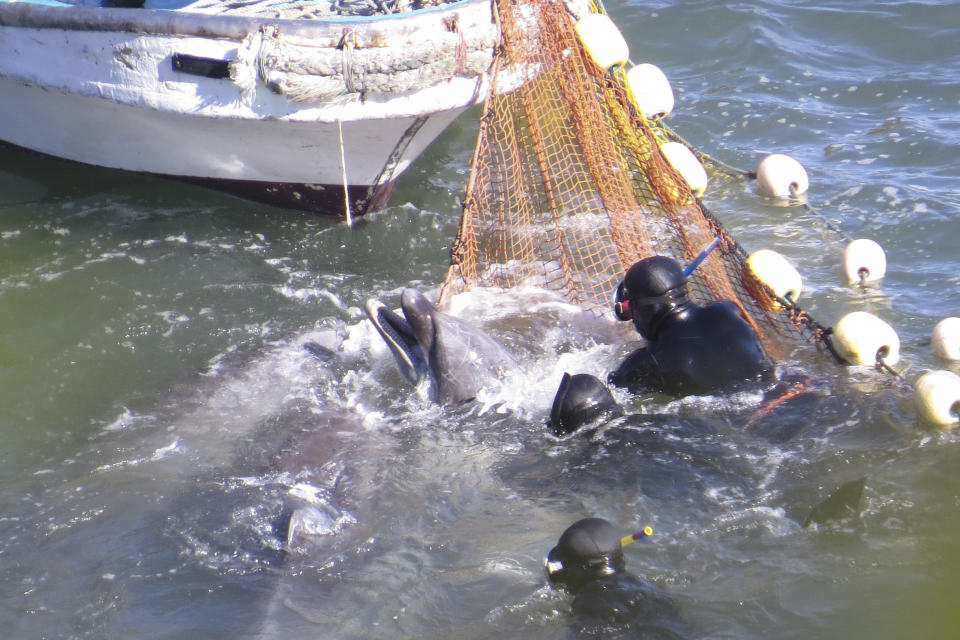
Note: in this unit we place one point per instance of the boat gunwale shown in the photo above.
(163, 22)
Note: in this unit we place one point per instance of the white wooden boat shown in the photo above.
(305, 112)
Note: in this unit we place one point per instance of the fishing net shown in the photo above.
(568, 186)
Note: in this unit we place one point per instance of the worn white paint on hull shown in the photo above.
(108, 95)
(106, 133)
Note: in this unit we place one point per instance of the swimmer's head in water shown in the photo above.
(581, 399)
(587, 550)
(652, 289)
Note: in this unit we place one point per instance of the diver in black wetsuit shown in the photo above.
(691, 349)
(609, 602)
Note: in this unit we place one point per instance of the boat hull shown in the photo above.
(105, 94)
(294, 165)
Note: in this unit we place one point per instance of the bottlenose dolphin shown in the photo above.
(452, 357)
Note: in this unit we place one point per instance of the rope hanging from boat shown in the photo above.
(569, 186)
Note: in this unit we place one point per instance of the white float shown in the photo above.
(864, 261)
(861, 336)
(687, 165)
(781, 176)
(650, 90)
(772, 269)
(602, 40)
(945, 340)
(937, 398)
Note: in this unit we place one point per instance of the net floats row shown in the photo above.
(606, 46)
(863, 261)
(778, 175)
(775, 271)
(648, 87)
(862, 338)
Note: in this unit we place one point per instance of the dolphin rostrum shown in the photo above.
(452, 356)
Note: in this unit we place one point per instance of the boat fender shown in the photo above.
(602, 40)
(687, 165)
(863, 338)
(864, 261)
(651, 90)
(945, 340)
(937, 398)
(781, 176)
(773, 270)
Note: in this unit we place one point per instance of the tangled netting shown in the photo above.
(568, 186)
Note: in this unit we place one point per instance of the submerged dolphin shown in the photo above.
(842, 503)
(453, 357)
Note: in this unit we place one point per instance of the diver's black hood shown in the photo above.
(581, 399)
(654, 289)
(589, 549)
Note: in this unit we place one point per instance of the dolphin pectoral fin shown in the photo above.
(843, 502)
(400, 339)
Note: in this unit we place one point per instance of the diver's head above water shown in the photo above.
(581, 399)
(653, 290)
(589, 549)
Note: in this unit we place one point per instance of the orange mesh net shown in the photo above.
(568, 186)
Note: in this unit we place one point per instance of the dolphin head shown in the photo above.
(401, 340)
(458, 357)
(420, 314)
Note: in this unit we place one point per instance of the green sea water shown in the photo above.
(160, 418)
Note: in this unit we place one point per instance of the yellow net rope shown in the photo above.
(568, 186)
